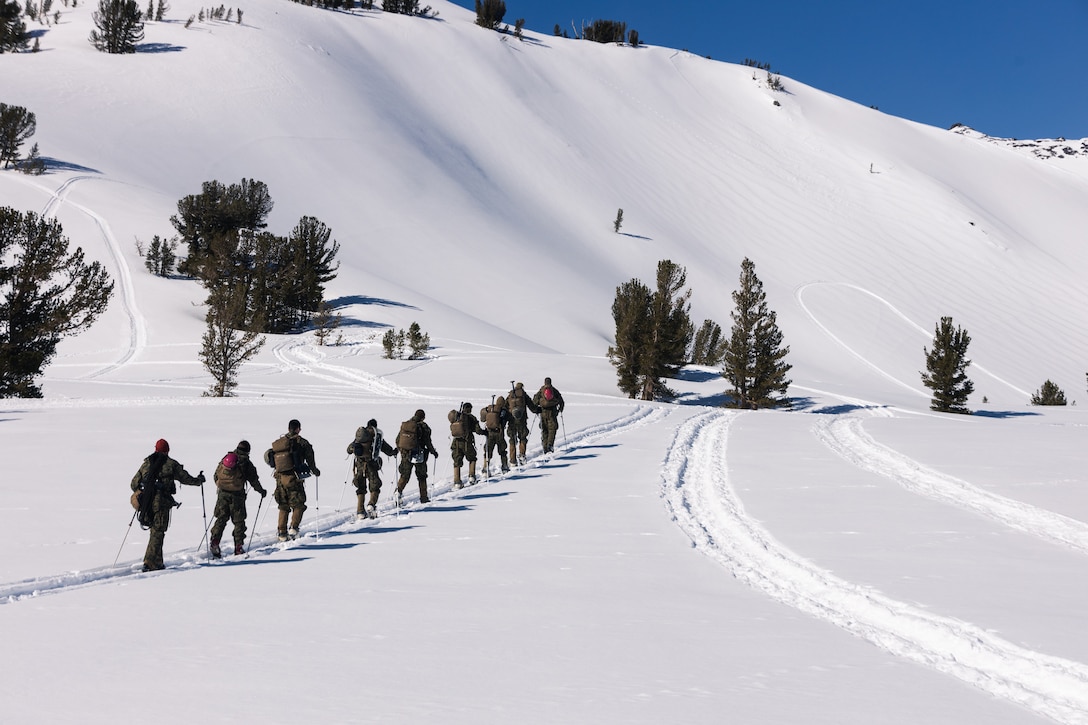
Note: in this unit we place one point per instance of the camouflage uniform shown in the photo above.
(367, 465)
(423, 447)
(495, 419)
(517, 429)
(463, 446)
(290, 492)
(550, 405)
(163, 502)
(230, 503)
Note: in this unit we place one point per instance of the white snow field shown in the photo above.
(854, 559)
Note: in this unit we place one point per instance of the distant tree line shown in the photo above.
(602, 31)
(400, 7)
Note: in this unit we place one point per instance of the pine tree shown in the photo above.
(1048, 394)
(653, 332)
(946, 366)
(708, 347)
(223, 347)
(618, 222)
(489, 13)
(13, 35)
(46, 293)
(119, 26)
(631, 312)
(325, 322)
(17, 124)
(418, 342)
(754, 358)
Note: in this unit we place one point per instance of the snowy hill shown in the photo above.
(858, 559)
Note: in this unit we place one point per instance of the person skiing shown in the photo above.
(517, 428)
(159, 472)
(494, 419)
(413, 444)
(550, 402)
(367, 447)
(230, 477)
(293, 458)
(464, 427)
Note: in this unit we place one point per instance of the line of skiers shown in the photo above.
(292, 458)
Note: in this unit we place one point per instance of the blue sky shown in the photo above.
(1012, 69)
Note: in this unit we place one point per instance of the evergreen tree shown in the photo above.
(946, 366)
(209, 223)
(605, 31)
(653, 332)
(16, 125)
(1048, 394)
(708, 347)
(13, 35)
(754, 358)
(325, 322)
(618, 222)
(311, 264)
(489, 13)
(119, 26)
(46, 293)
(224, 348)
(160, 258)
(631, 312)
(418, 342)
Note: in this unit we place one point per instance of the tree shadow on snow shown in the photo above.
(474, 496)
(347, 300)
(159, 48)
(52, 164)
(698, 376)
(1003, 413)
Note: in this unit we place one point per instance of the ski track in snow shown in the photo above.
(137, 328)
(800, 294)
(846, 437)
(304, 358)
(698, 494)
(319, 525)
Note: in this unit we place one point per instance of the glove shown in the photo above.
(200, 479)
(261, 490)
(434, 453)
(315, 471)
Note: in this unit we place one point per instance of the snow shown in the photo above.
(856, 559)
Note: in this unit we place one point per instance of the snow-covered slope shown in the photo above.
(472, 180)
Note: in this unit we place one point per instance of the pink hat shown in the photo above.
(230, 460)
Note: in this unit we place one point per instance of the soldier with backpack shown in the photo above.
(464, 427)
(367, 448)
(155, 489)
(413, 444)
(495, 418)
(518, 403)
(231, 476)
(550, 402)
(293, 458)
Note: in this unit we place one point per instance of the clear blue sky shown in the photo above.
(1014, 69)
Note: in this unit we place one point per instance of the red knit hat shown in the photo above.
(161, 446)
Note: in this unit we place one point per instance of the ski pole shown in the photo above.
(563, 422)
(204, 508)
(129, 529)
(344, 489)
(317, 497)
(256, 521)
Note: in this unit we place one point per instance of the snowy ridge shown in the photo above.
(845, 436)
(697, 491)
(318, 524)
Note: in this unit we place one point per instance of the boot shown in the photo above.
(217, 553)
(296, 523)
(281, 526)
(457, 477)
(505, 463)
(521, 452)
(472, 472)
(360, 508)
(512, 452)
(423, 497)
(239, 548)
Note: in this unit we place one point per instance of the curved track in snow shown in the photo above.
(321, 524)
(846, 437)
(137, 328)
(698, 492)
(306, 359)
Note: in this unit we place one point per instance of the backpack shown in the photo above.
(144, 497)
(408, 437)
(548, 397)
(492, 418)
(286, 456)
(228, 476)
(457, 428)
